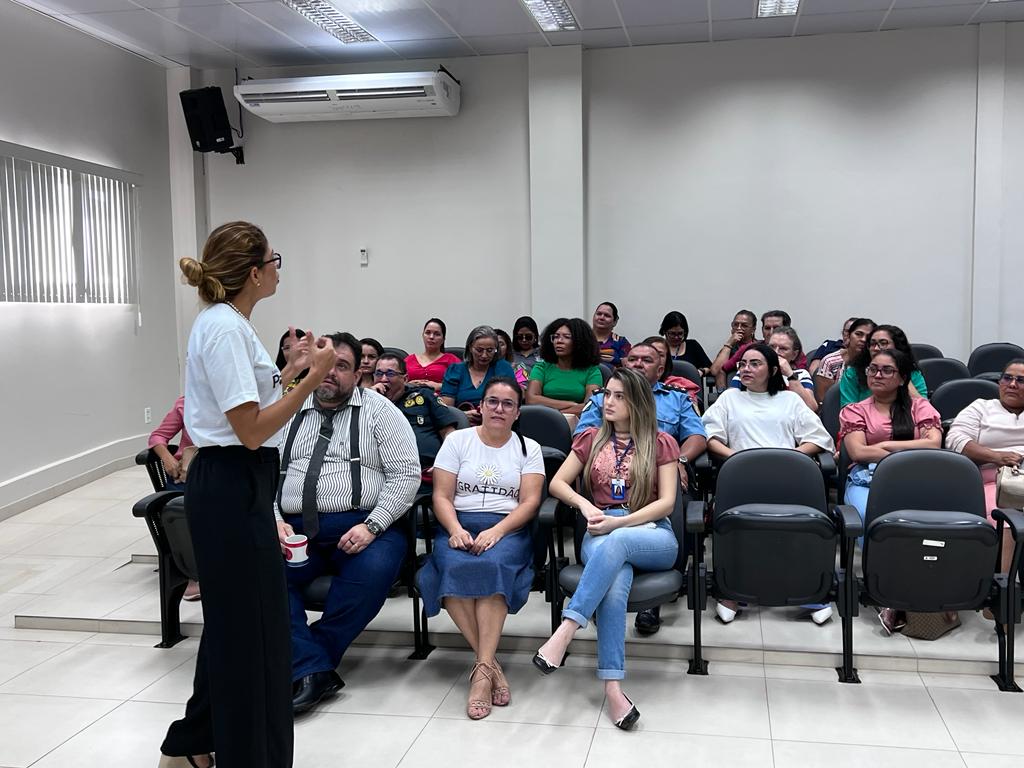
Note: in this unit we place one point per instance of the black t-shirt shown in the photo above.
(428, 416)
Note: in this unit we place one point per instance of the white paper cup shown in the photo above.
(295, 550)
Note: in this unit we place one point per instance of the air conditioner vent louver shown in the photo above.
(382, 93)
(286, 97)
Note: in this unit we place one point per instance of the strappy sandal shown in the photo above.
(183, 761)
(478, 709)
(500, 694)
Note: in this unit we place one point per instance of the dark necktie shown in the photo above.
(310, 514)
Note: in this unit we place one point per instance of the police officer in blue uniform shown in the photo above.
(676, 417)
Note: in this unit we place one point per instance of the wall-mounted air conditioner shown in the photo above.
(351, 97)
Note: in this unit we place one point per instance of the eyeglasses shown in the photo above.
(885, 371)
(1009, 378)
(484, 351)
(750, 364)
(675, 334)
(494, 404)
(560, 337)
(879, 344)
(525, 336)
(389, 375)
(275, 256)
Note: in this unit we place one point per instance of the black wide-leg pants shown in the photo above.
(241, 705)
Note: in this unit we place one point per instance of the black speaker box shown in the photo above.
(207, 119)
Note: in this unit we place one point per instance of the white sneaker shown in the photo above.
(725, 613)
(822, 615)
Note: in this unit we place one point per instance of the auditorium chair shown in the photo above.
(398, 351)
(953, 396)
(938, 370)
(989, 360)
(925, 352)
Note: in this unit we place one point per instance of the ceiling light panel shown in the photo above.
(331, 20)
(768, 8)
(552, 15)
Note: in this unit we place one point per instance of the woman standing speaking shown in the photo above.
(241, 701)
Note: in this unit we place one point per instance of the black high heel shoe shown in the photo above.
(628, 720)
(545, 666)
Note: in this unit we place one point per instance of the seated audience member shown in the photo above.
(692, 388)
(828, 346)
(676, 417)
(567, 373)
(464, 382)
(431, 420)
(853, 386)
(786, 343)
(613, 348)
(176, 464)
(427, 368)
(991, 434)
(525, 345)
(770, 320)
(676, 331)
(291, 348)
(629, 475)
(505, 353)
(764, 413)
(741, 334)
(488, 483)
(347, 509)
(832, 366)
(372, 350)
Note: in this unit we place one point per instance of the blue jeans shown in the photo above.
(359, 587)
(603, 590)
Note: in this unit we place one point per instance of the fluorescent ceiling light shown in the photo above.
(552, 15)
(769, 8)
(331, 20)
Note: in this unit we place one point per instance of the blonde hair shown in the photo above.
(643, 429)
(231, 250)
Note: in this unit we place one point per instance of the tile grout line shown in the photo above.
(80, 731)
(945, 725)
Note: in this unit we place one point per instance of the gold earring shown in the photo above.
(258, 284)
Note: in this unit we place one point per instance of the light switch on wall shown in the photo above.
(364, 258)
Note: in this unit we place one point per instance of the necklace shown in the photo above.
(239, 313)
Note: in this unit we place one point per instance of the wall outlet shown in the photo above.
(147, 415)
(364, 258)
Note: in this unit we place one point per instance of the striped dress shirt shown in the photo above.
(389, 460)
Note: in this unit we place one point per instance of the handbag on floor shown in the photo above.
(930, 626)
(1010, 488)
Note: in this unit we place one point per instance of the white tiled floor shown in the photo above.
(80, 699)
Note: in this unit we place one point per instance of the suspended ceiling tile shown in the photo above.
(223, 60)
(394, 19)
(591, 38)
(71, 7)
(478, 18)
(828, 23)
(178, 3)
(844, 8)
(356, 52)
(595, 14)
(496, 44)
(646, 13)
(1013, 11)
(447, 48)
(901, 4)
(290, 22)
(736, 9)
(738, 29)
(940, 16)
(150, 32)
(669, 33)
(230, 27)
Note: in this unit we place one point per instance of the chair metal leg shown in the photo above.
(421, 637)
(846, 593)
(172, 587)
(696, 593)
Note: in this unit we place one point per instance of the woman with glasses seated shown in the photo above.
(487, 488)
(612, 347)
(568, 373)
(763, 413)
(464, 382)
(630, 478)
(525, 345)
(676, 331)
(427, 368)
(991, 434)
(787, 345)
(854, 385)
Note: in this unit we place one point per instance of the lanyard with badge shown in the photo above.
(618, 483)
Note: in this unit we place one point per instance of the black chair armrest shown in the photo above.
(155, 502)
(142, 457)
(827, 463)
(547, 452)
(702, 463)
(849, 520)
(695, 517)
(946, 424)
(547, 516)
(1014, 518)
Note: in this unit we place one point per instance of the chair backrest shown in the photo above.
(461, 420)
(938, 370)
(829, 411)
(457, 351)
(606, 372)
(179, 539)
(953, 396)
(926, 479)
(547, 426)
(990, 358)
(925, 352)
(398, 351)
(687, 370)
(770, 476)
(155, 467)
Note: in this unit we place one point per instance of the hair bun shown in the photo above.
(211, 290)
(192, 270)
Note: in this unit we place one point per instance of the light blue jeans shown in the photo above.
(603, 590)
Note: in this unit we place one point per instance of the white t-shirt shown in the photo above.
(226, 365)
(487, 478)
(743, 419)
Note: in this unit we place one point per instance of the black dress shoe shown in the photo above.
(310, 689)
(648, 622)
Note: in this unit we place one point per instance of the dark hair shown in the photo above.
(791, 334)
(671, 320)
(776, 381)
(584, 343)
(514, 386)
(1015, 361)
(371, 343)
(392, 356)
(508, 344)
(901, 410)
(899, 342)
(529, 324)
(339, 338)
(281, 362)
(650, 341)
(440, 322)
(747, 313)
(786, 319)
(615, 310)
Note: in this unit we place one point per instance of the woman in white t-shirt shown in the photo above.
(763, 413)
(487, 488)
(241, 702)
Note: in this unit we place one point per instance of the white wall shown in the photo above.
(440, 204)
(1011, 276)
(81, 375)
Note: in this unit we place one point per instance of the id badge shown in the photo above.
(618, 488)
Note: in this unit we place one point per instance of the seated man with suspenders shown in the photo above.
(349, 470)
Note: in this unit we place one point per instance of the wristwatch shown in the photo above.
(683, 460)
(374, 527)
(793, 377)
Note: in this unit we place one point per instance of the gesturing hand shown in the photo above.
(322, 357)
(485, 540)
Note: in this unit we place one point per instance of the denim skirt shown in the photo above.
(505, 569)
